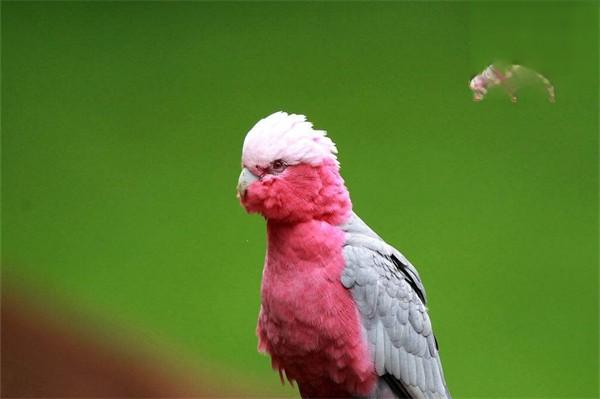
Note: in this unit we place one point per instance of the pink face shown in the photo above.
(293, 193)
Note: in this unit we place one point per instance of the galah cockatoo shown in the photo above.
(510, 79)
(342, 312)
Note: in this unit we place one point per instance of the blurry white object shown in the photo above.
(510, 79)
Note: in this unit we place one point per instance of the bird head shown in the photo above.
(290, 172)
(478, 87)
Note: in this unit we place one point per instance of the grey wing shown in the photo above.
(391, 301)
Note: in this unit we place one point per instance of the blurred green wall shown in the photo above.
(122, 126)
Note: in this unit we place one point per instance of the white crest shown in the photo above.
(288, 137)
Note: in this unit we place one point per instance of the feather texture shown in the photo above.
(391, 302)
(288, 137)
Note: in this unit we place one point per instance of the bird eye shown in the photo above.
(278, 166)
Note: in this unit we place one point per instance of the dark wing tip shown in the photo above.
(396, 386)
(409, 277)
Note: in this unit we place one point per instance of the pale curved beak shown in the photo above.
(245, 180)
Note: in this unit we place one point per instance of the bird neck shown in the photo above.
(332, 204)
(302, 245)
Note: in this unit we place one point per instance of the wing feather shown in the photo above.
(391, 301)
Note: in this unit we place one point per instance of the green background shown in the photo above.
(122, 126)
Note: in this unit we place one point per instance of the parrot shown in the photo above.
(342, 313)
(511, 78)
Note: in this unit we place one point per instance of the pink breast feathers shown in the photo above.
(309, 323)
